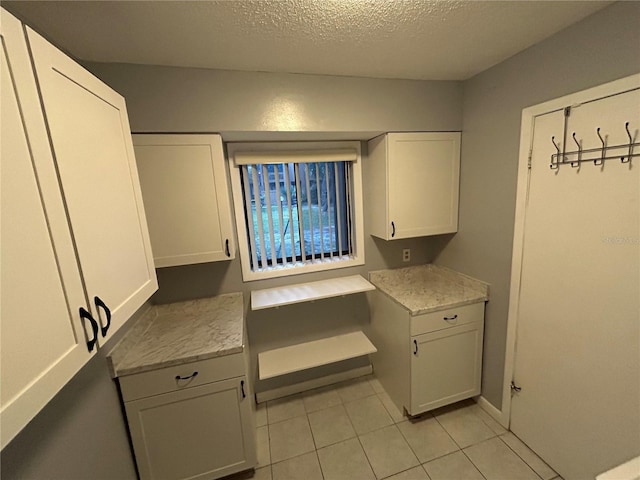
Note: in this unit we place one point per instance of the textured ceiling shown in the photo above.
(413, 39)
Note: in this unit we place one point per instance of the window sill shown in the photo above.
(301, 268)
(307, 292)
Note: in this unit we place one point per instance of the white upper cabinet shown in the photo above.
(51, 267)
(414, 182)
(43, 343)
(186, 198)
(91, 142)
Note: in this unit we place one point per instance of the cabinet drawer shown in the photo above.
(431, 322)
(164, 380)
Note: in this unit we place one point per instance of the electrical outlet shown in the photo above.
(406, 254)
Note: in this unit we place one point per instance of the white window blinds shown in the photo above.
(298, 206)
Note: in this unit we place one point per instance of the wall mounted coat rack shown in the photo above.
(623, 152)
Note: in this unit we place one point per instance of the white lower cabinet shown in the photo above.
(445, 366)
(190, 431)
(430, 360)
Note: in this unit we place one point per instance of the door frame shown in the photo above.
(622, 85)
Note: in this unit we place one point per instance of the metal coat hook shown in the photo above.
(597, 155)
(554, 166)
(622, 159)
(604, 149)
(576, 163)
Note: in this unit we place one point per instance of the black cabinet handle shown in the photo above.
(415, 344)
(244, 395)
(226, 248)
(94, 327)
(393, 229)
(188, 377)
(449, 319)
(100, 304)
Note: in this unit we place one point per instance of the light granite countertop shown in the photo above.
(182, 332)
(429, 288)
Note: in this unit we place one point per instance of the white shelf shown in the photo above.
(294, 358)
(306, 292)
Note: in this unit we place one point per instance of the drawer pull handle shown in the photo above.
(244, 395)
(415, 344)
(226, 248)
(393, 229)
(100, 304)
(193, 375)
(451, 319)
(85, 315)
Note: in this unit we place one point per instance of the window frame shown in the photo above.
(357, 256)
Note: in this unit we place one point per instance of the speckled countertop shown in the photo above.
(429, 288)
(181, 332)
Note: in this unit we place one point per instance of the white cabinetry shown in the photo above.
(51, 267)
(191, 421)
(186, 198)
(429, 360)
(446, 362)
(91, 141)
(413, 179)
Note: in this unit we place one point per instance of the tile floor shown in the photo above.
(353, 431)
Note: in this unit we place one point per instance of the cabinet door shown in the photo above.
(91, 140)
(186, 198)
(423, 182)
(196, 433)
(43, 343)
(445, 366)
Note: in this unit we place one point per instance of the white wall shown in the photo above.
(601, 48)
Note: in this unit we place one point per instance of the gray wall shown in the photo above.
(253, 106)
(166, 99)
(601, 48)
(80, 434)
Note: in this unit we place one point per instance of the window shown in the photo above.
(298, 207)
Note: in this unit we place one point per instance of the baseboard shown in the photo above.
(311, 384)
(496, 414)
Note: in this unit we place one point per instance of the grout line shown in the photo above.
(474, 465)
(520, 457)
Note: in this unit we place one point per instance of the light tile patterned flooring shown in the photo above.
(353, 431)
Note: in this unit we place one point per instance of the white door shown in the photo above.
(92, 145)
(578, 333)
(42, 341)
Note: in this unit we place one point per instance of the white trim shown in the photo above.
(496, 414)
(526, 136)
(295, 156)
(357, 256)
(311, 384)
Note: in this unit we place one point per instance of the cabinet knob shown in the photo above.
(100, 304)
(94, 328)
